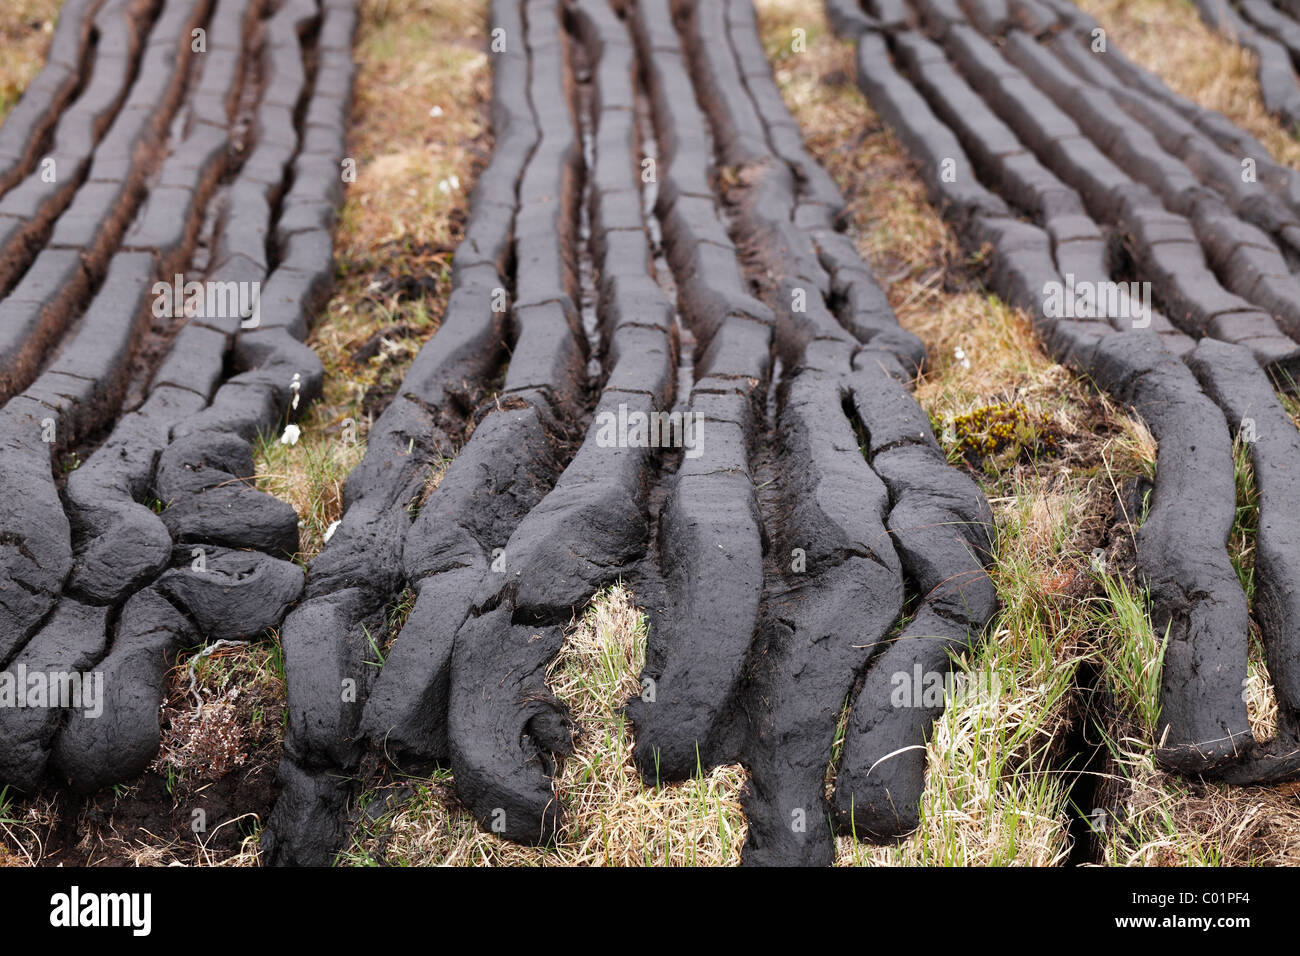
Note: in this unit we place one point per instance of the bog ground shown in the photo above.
(649, 432)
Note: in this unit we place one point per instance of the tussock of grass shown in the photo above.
(610, 816)
(1132, 653)
(221, 705)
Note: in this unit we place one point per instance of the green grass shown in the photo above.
(256, 664)
(1133, 655)
(6, 807)
(610, 816)
(995, 794)
(1245, 522)
(310, 475)
(380, 657)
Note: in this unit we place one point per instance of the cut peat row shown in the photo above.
(496, 575)
(27, 127)
(47, 415)
(44, 287)
(1084, 174)
(460, 670)
(710, 533)
(869, 522)
(592, 526)
(1271, 32)
(567, 480)
(105, 582)
(361, 570)
(204, 472)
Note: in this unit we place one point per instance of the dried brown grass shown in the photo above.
(1169, 39)
(26, 27)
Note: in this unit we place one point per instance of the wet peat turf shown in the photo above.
(662, 361)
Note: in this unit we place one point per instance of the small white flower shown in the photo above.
(436, 111)
(291, 435)
(329, 532)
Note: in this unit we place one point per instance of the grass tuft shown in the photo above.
(1133, 654)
